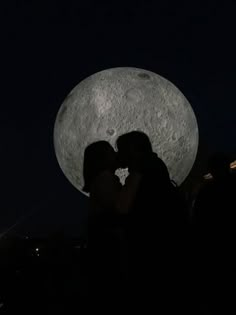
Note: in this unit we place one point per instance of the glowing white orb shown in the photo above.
(115, 101)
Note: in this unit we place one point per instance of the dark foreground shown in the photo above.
(39, 278)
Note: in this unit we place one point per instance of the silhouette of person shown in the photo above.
(214, 202)
(215, 219)
(135, 152)
(106, 221)
(156, 217)
(99, 176)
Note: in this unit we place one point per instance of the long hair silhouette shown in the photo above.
(98, 156)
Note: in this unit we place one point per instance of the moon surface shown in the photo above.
(118, 100)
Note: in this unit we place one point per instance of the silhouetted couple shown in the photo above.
(148, 177)
(140, 222)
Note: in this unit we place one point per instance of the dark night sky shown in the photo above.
(46, 49)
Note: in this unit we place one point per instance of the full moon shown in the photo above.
(115, 101)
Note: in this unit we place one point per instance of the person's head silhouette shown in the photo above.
(131, 143)
(219, 166)
(98, 156)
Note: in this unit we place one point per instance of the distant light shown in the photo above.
(233, 165)
(37, 249)
(209, 176)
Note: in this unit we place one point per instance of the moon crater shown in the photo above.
(144, 76)
(110, 132)
(134, 95)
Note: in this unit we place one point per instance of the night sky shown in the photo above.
(47, 49)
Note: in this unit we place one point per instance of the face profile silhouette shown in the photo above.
(130, 145)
